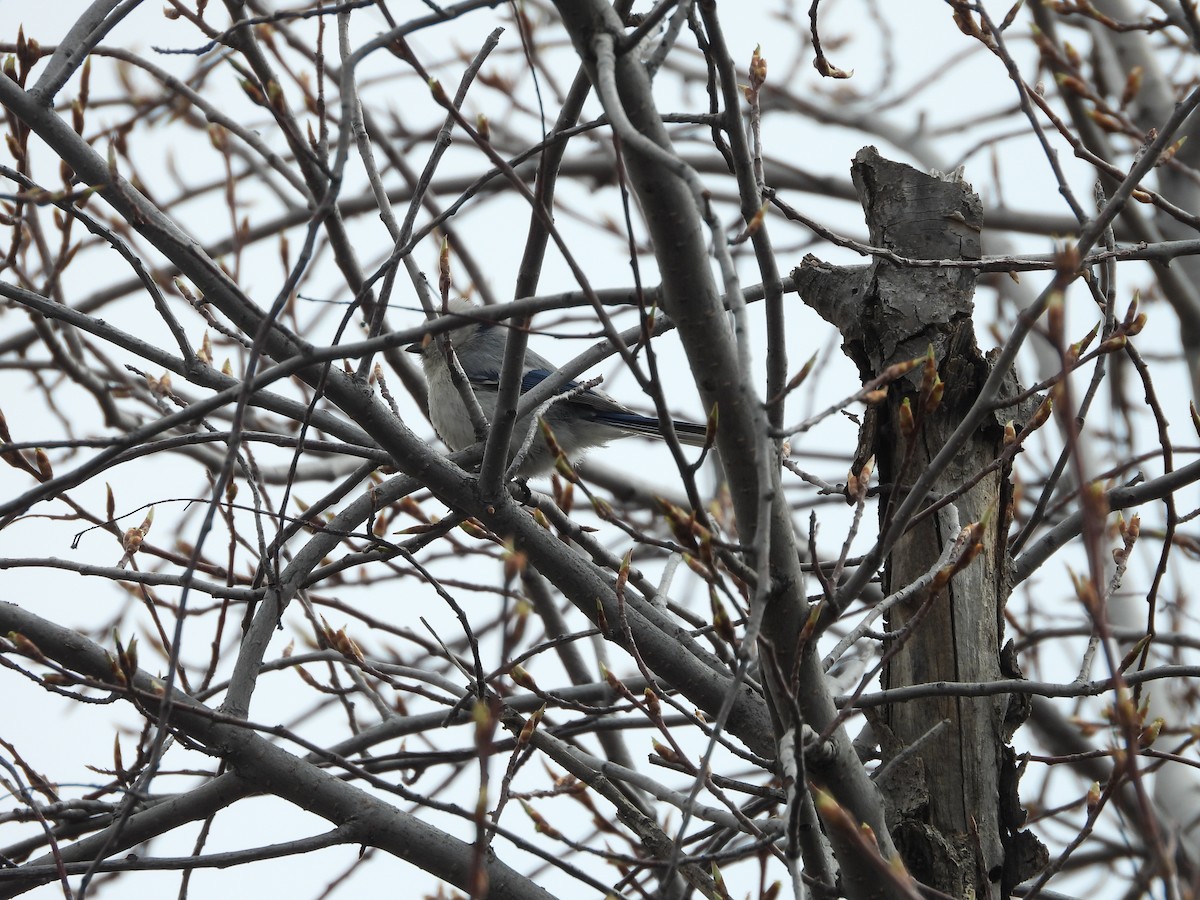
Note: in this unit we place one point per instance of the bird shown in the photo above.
(587, 418)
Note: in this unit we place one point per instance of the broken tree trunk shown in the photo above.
(952, 798)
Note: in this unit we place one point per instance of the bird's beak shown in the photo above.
(413, 348)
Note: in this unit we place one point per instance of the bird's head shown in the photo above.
(460, 310)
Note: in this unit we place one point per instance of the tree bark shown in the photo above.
(952, 799)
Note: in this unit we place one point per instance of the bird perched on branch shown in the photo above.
(580, 417)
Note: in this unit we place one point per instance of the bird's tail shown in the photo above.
(689, 433)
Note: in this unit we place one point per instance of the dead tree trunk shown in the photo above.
(952, 800)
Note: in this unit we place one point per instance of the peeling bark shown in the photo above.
(953, 806)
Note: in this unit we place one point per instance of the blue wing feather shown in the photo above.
(534, 377)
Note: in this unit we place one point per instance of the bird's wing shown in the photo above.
(591, 398)
(604, 409)
(488, 380)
